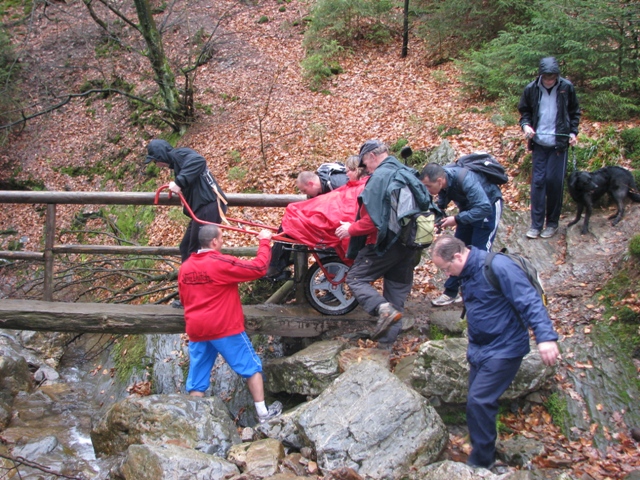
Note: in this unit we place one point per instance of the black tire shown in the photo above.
(327, 298)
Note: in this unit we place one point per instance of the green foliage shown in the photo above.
(594, 153)
(449, 27)
(593, 42)
(236, 156)
(10, 100)
(321, 65)
(608, 106)
(436, 333)
(336, 24)
(634, 246)
(445, 131)
(263, 19)
(631, 144)
(237, 173)
(556, 405)
(130, 356)
(130, 222)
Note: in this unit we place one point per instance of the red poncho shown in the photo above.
(314, 221)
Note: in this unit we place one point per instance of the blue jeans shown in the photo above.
(487, 382)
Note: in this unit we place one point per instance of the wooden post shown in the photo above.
(300, 267)
(49, 237)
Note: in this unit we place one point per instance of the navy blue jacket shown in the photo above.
(474, 196)
(494, 328)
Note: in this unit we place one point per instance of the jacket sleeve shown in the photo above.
(476, 198)
(525, 107)
(238, 270)
(574, 111)
(363, 226)
(192, 167)
(524, 298)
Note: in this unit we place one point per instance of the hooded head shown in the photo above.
(158, 150)
(548, 65)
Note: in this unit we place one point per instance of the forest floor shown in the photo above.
(258, 124)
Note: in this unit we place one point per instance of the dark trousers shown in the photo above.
(479, 237)
(547, 185)
(190, 242)
(487, 382)
(396, 269)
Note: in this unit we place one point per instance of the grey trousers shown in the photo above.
(396, 269)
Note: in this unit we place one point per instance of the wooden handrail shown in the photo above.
(51, 199)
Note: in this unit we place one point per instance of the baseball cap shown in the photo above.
(149, 159)
(368, 146)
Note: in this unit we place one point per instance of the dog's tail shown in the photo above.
(635, 196)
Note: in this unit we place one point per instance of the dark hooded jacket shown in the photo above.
(568, 116)
(191, 174)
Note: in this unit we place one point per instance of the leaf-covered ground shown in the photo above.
(258, 125)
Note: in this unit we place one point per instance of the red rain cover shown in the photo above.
(314, 221)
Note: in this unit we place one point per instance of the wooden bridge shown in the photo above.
(47, 315)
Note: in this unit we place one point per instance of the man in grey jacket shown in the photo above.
(549, 117)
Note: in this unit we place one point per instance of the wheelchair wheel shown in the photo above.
(325, 297)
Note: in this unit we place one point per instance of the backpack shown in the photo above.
(418, 230)
(484, 164)
(525, 265)
(325, 171)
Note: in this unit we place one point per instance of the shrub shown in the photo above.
(631, 143)
(322, 64)
(608, 106)
(634, 246)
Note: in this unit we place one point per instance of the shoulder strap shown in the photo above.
(490, 276)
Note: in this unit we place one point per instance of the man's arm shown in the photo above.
(480, 206)
(361, 227)
(193, 166)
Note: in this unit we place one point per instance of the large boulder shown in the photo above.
(443, 154)
(441, 372)
(307, 372)
(259, 459)
(14, 377)
(200, 423)
(171, 462)
(368, 420)
(449, 470)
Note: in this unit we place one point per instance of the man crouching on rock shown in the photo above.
(498, 323)
(208, 285)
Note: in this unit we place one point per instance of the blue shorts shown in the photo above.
(235, 349)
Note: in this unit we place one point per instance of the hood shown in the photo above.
(158, 150)
(548, 65)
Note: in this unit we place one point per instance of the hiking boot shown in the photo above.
(549, 232)
(387, 315)
(273, 411)
(445, 299)
(533, 233)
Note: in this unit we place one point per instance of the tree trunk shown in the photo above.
(163, 74)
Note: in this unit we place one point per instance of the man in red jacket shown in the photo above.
(208, 284)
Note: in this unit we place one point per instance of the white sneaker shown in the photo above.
(273, 411)
(445, 299)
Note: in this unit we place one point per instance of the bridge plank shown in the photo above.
(290, 321)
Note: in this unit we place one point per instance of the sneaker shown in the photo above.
(549, 232)
(387, 315)
(176, 304)
(533, 233)
(273, 411)
(445, 299)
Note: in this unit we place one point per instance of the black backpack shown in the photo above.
(525, 265)
(325, 171)
(418, 230)
(484, 164)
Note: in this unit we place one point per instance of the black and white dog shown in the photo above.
(587, 187)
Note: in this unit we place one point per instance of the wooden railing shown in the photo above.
(51, 199)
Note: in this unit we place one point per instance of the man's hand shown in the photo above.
(528, 131)
(265, 234)
(343, 230)
(548, 352)
(175, 188)
(447, 222)
(573, 140)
